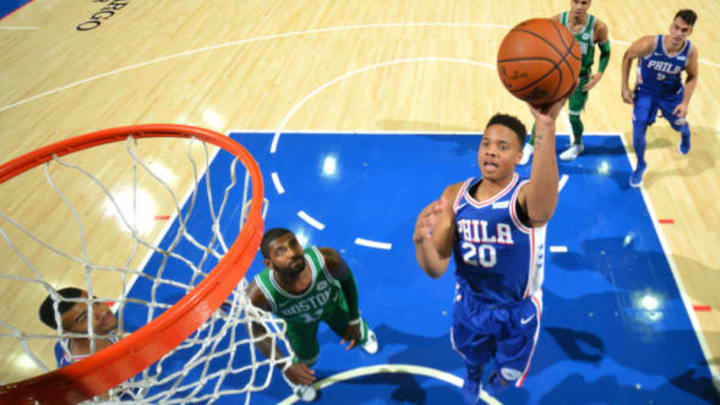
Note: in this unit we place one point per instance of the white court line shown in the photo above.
(276, 182)
(276, 138)
(391, 368)
(558, 249)
(242, 42)
(373, 244)
(264, 38)
(310, 220)
(676, 275)
(19, 28)
(562, 182)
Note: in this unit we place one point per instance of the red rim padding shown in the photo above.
(109, 367)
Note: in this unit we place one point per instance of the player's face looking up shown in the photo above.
(76, 318)
(679, 31)
(499, 152)
(286, 255)
(579, 8)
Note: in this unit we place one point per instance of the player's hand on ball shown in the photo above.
(301, 374)
(547, 113)
(427, 219)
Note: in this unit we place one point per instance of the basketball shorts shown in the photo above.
(646, 106)
(506, 333)
(303, 336)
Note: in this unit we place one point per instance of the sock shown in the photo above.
(577, 128)
(639, 129)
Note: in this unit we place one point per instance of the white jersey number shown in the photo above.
(484, 254)
(307, 318)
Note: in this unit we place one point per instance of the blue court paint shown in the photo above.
(598, 343)
(7, 7)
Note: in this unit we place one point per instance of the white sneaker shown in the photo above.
(306, 393)
(527, 152)
(371, 345)
(572, 152)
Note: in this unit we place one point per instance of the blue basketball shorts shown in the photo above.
(646, 106)
(506, 333)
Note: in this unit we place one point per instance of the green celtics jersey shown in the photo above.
(320, 299)
(586, 38)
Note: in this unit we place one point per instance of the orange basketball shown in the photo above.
(539, 61)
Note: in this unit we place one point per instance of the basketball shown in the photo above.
(539, 61)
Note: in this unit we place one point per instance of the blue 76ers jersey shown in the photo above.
(660, 73)
(500, 258)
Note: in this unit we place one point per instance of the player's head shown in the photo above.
(579, 8)
(501, 146)
(282, 251)
(682, 26)
(74, 314)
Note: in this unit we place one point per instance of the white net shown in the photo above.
(111, 221)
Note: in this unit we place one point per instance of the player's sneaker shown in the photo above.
(684, 146)
(472, 386)
(306, 393)
(636, 177)
(371, 344)
(572, 152)
(527, 152)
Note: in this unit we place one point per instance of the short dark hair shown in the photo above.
(270, 236)
(47, 312)
(687, 15)
(511, 122)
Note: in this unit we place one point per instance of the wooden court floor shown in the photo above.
(325, 65)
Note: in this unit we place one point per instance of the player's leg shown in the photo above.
(643, 108)
(340, 319)
(303, 341)
(679, 124)
(475, 349)
(575, 105)
(516, 345)
(472, 338)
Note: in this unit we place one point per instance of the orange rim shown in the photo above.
(121, 361)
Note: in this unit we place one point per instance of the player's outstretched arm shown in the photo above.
(690, 82)
(539, 196)
(637, 49)
(298, 373)
(434, 232)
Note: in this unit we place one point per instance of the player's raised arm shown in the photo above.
(434, 232)
(539, 196)
(298, 373)
(637, 49)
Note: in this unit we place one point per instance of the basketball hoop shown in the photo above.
(223, 284)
